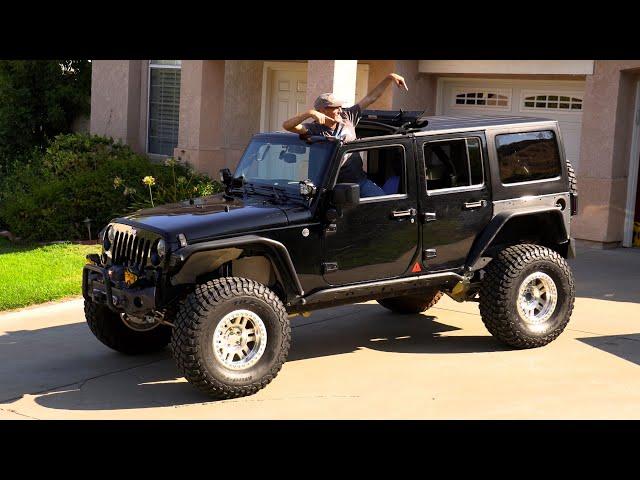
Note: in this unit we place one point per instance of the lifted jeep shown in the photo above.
(477, 208)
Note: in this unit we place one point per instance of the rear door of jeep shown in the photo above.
(455, 196)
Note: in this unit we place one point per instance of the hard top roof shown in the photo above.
(449, 123)
(443, 124)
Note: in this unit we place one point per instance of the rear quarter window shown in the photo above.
(528, 156)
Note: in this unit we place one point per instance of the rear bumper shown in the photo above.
(98, 287)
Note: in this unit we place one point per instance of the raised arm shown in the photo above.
(294, 124)
(374, 94)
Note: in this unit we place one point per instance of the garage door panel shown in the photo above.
(561, 101)
(571, 137)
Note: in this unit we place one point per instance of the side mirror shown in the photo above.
(226, 176)
(346, 194)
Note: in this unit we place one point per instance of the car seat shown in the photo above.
(392, 185)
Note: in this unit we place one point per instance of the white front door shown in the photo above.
(286, 90)
(556, 100)
(288, 96)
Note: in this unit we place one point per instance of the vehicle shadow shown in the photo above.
(153, 381)
(376, 328)
(626, 346)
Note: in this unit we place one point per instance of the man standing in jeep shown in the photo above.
(330, 119)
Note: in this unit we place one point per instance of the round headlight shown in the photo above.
(111, 234)
(107, 241)
(161, 248)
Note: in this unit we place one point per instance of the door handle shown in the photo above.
(478, 204)
(404, 213)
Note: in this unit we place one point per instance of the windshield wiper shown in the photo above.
(280, 194)
(272, 189)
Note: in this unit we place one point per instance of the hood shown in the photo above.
(209, 217)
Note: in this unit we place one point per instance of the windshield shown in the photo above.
(284, 161)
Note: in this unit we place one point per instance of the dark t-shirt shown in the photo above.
(346, 130)
(352, 170)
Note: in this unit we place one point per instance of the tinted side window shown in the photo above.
(453, 163)
(527, 156)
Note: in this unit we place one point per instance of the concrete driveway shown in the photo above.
(357, 361)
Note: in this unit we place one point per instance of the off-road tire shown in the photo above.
(412, 303)
(499, 294)
(108, 327)
(573, 181)
(192, 338)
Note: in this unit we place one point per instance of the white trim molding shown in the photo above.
(509, 67)
(632, 180)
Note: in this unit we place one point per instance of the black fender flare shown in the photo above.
(494, 227)
(275, 251)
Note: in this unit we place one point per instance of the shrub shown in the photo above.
(38, 100)
(81, 176)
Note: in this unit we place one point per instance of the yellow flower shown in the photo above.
(149, 180)
(117, 182)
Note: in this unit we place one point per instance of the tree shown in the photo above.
(38, 100)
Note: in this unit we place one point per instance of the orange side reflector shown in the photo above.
(416, 268)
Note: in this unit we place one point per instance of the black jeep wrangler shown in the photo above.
(477, 208)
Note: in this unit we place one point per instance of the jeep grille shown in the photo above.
(130, 250)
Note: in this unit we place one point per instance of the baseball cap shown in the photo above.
(327, 100)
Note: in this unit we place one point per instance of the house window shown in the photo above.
(499, 99)
(557, 101)
(164, 106)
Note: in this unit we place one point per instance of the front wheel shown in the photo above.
(231, 337)
(119, 333)
(527, 296)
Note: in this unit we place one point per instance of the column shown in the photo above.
(337, 76)
(201, 130)
(607, 122)
(115, 99)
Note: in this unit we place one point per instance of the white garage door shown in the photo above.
(557, 100)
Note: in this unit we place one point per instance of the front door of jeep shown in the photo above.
(378, 238)
(454, 199)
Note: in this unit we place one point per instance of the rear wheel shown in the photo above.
(412, 303)
(527, 296)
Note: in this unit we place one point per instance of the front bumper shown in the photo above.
(100, 289)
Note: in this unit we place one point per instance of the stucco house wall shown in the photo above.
(221, 102)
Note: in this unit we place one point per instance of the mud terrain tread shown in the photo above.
(191, 320)
(111, 331)
(500, 278)
(573, 181)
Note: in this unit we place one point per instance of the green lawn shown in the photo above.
(35, 274)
